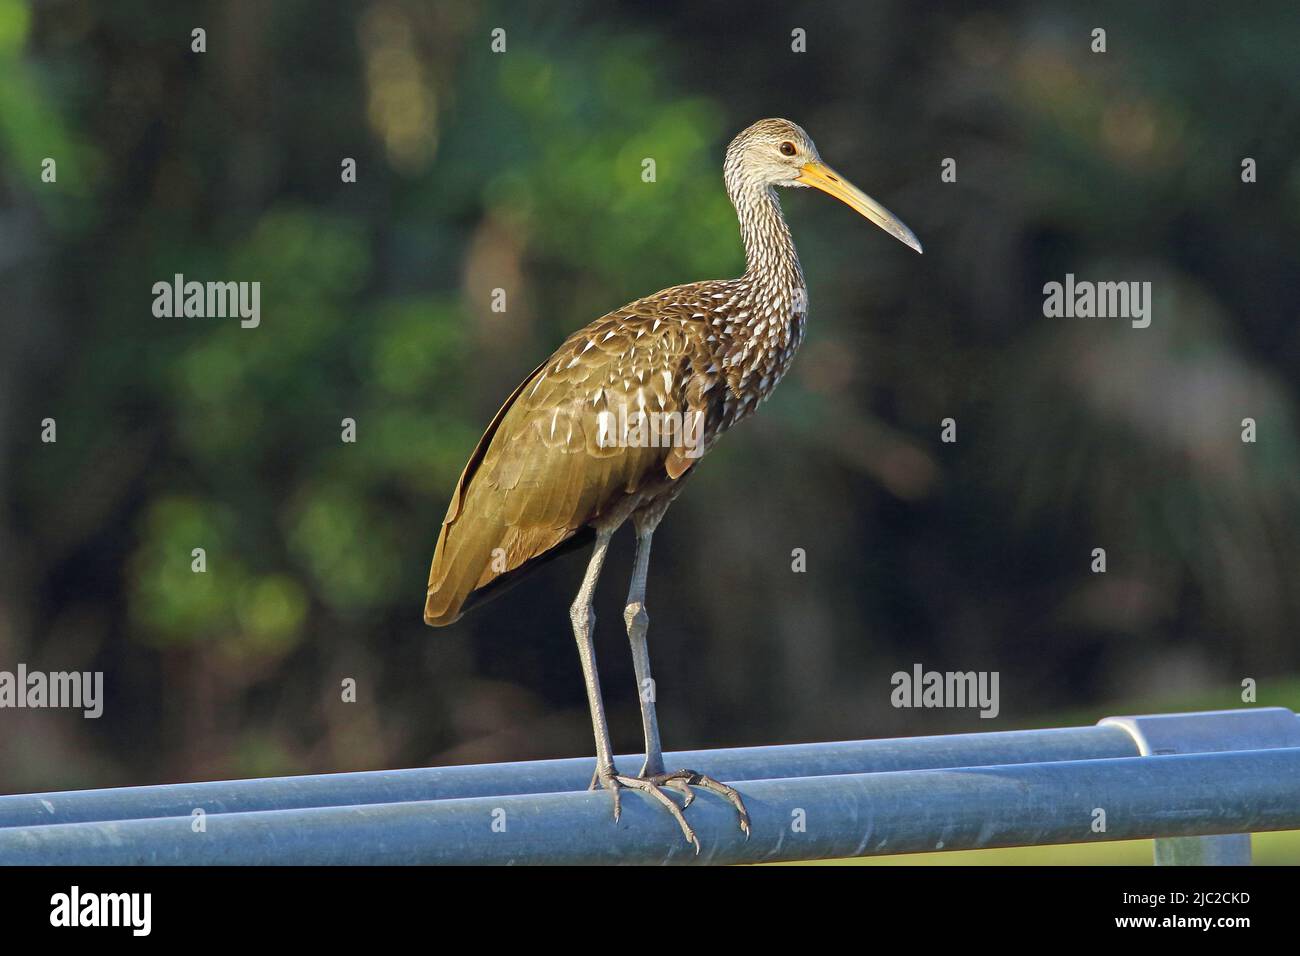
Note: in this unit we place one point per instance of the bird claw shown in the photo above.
(685, 779)
(680, 780)
(681, 786)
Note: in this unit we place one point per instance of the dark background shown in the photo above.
(522, 171)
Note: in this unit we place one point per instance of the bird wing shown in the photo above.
(551, 461)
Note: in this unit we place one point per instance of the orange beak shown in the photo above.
(820, 176)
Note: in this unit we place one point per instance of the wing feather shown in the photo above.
(540, 472)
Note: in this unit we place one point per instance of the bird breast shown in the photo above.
(712, 349)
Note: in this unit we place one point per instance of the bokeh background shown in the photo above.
(522, 171)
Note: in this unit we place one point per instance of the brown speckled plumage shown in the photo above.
(546, 473)
(718, 348)
(540, 475)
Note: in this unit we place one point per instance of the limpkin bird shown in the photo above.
(574, 451)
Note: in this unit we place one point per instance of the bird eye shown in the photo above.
(787, 148)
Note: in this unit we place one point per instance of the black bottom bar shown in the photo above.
(867, 903)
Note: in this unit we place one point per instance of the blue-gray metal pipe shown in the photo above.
(801, 818)
(550, 776)
(1209, 732)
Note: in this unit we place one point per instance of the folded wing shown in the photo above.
(557, 455)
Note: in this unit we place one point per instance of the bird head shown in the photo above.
(777, 152)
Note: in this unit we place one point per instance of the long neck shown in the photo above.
(757, 339)
(770, 258)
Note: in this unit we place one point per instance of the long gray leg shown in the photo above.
(638, 622)
(584, 622)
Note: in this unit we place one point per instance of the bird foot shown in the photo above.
(680, 780)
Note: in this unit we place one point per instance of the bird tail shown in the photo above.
(478, 559)
(458, 563)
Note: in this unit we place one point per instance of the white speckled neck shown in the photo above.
(771, 262)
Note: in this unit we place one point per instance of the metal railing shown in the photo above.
(1197, 783)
